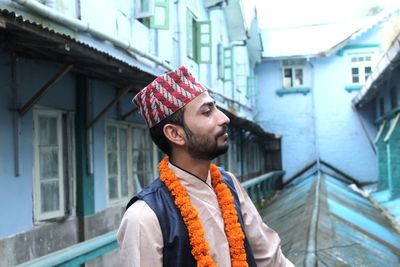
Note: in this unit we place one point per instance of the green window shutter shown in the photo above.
(160, 19)
(255, 86)
(204, 42)
(249, 86)
(252, 86)
(228, 64)
(190, 35)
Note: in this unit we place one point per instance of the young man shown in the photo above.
(195, 214)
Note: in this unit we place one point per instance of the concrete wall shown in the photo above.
(322, 123)
(30, 76)
(341, 139)
(290, 116)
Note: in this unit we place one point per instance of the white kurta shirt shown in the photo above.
(141, 241)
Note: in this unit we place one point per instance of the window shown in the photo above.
(241, 77)
(220, 61)
(129, 160)
(144, 8)
(142, 157)
(117, 161)
(252, 86)
(154, 13)
(360, 65)
(54, 170)
(293, 77)
(293, 73)
(198, 39)
(228, 64)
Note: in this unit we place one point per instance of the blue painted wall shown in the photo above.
(322, 123)
(16, 192)
(289, 116)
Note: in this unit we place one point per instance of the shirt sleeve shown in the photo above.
(264, 241)
(139, 237)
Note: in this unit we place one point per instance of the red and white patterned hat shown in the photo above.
(167, 94)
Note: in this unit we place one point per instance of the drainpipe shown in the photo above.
(177, 38)
(79, 25)
(316, 143)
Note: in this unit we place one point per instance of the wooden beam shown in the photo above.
(121, 93)
(32, 101)
(129, 113)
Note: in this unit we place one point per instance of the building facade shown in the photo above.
(73, 147)
(308, 78)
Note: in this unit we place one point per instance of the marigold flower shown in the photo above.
(200, 248)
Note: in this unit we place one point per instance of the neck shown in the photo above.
(197, 167)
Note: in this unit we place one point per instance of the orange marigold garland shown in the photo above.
(233, 229)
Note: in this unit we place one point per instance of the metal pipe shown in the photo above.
(79, 25)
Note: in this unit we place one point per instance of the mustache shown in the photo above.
(223, 131)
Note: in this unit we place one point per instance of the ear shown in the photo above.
(174, 134)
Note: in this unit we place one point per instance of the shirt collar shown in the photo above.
(187, 178)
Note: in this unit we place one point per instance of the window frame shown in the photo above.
(199, 39)
(228, 64)
(139, 13)
(65, 126)
(163, 7)
(133, 183)
(293, 65)
(118, 126)
(355, 63)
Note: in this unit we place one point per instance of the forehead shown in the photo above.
(199, 101)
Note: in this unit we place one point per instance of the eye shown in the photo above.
(207, 112)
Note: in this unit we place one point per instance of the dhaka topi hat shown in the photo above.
(167, 94)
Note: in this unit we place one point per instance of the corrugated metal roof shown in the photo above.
(390, 58)
(22, 19)
(350, 230)
(316, 40)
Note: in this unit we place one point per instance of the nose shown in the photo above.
(223, 120)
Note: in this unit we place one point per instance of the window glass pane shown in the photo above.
(113, 187)
(355, 75)
(49, 193)
(287, 79)
(111, 137)
(228, 74)
(124, 185)
(123, 157)
(144, 6)
(48, 163)
(112, 163)
(298, 77)
(367, 71)
(159, 15)
(47, 131)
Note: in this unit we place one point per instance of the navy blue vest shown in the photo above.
(177, 249)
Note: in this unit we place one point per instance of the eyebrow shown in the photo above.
(208, 104)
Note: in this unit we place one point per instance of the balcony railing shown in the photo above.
(258, 188)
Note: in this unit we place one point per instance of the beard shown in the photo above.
(205, 148)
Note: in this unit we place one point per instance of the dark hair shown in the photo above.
(157, 132)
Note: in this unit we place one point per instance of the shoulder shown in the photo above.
(140, 213)
(230, 178)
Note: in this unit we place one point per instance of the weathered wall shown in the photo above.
(290, 116)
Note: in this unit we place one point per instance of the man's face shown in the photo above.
(206, 128)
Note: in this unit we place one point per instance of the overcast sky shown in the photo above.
(289, 13)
